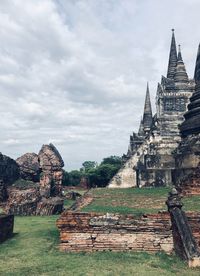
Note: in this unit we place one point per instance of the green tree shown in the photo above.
(102, 174)
(75, 177)
(72, 178)
(88, 165)
(65, 181)
(98, 175)
(113, 160)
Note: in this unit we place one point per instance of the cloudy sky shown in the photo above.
(74, 72)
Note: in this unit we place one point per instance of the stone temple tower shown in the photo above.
(173, 94)
(187, 155)
(152, 163)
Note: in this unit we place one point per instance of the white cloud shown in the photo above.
(11, 142)
(74, 72)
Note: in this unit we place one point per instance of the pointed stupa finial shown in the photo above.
(147, 116)
(180, 72)
(172, 58)
(179, 53)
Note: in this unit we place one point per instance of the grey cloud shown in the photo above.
(74, 72)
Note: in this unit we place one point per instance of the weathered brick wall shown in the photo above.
(187, 180)
(194, 221)
(187, 173)
(97, 232)
(6, 227)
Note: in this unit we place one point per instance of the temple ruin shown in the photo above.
(39, 183)
(150, 160)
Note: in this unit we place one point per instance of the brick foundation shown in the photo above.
(98, 232)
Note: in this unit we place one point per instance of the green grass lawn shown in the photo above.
(34, 248)
(191, 203)
(131, 200)
(136, 201)
(33, 251)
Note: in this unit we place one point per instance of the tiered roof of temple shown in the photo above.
(180, 75)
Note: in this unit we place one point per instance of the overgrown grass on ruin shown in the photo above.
(34, 251)
(136, 201)
(131, 200)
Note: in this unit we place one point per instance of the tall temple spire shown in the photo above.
(147, 116)
(179, 54)
(180, 73)
(191, 125)
(172, 58)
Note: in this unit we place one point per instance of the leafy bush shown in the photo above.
(97, 175)
(72, 178)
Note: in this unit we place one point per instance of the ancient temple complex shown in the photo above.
(150, 160)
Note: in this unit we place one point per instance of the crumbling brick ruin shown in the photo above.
(51, 164)
(29, 167)
(99, 232)
(9, 172)
(44, 171)
(149, 161)
(165, 231)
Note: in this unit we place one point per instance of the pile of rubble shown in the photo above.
(45, 171)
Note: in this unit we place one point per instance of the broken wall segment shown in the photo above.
(51, 165)
(44, 197)
(9, 173)
(23, 202)
(29, 202)
(45, 168)
(99, 232)
(9, 169)
(6, 227)
(50, 206)
(29, 167)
